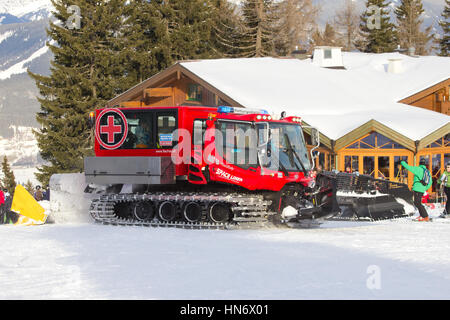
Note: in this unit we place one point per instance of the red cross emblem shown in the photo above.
(111, 129)
(106, 132)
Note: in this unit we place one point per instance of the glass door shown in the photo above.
(400, 173)
(383, 171)
(351, 164)
(369, 166)
(435, 170)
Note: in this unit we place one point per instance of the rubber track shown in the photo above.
(256, 208)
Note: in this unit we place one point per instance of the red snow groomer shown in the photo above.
(205, 167)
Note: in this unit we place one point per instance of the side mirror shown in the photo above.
(315, 137)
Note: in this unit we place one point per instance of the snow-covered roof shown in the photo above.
(335, 101)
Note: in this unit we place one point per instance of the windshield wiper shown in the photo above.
(292, 150)
(282, 167)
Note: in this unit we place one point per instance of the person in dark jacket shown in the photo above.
(418, 188)
(47, 194)
(38, 195)
(8, 216)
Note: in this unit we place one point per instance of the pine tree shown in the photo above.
(158, 33)
(376, 29)
(29, 187)
(444, 43)
(87, 71)
(227, 29)
(9, 181)
(258, 33)
(190, 26)
(328, 37)
(147, 43)
(409, 23)
(118, 44)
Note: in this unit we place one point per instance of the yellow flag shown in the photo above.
(25, 204)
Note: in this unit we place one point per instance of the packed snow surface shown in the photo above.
(75, 258)
(411, 260)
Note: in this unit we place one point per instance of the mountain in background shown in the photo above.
(23, 40)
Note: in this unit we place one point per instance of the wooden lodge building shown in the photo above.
(373, 110)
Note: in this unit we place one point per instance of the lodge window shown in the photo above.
(194, 92)
(351, 163)
(327, 53)
(377, 156)
(436, 155)
(440, 143)
(375, 140)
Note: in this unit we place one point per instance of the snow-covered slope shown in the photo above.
(341, 260)
(21, 67)
(23, 40)
(21, 149)
(26, 8)
(23, 154)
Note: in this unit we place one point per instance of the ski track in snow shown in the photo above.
(90, 261)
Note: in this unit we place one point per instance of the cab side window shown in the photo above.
(166, 125)
(139, 130)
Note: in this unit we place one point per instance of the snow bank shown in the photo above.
(409, 208)
(68, 202)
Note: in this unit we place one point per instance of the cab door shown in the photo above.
(165, 122)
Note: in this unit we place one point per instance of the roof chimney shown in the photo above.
(328, 57)
(395, 66)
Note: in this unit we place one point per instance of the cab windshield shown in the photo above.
(286, 148)
(248, 145)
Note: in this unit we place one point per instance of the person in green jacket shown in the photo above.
(418, 188)
(444, 181)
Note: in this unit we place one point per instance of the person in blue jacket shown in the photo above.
(418, 188)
